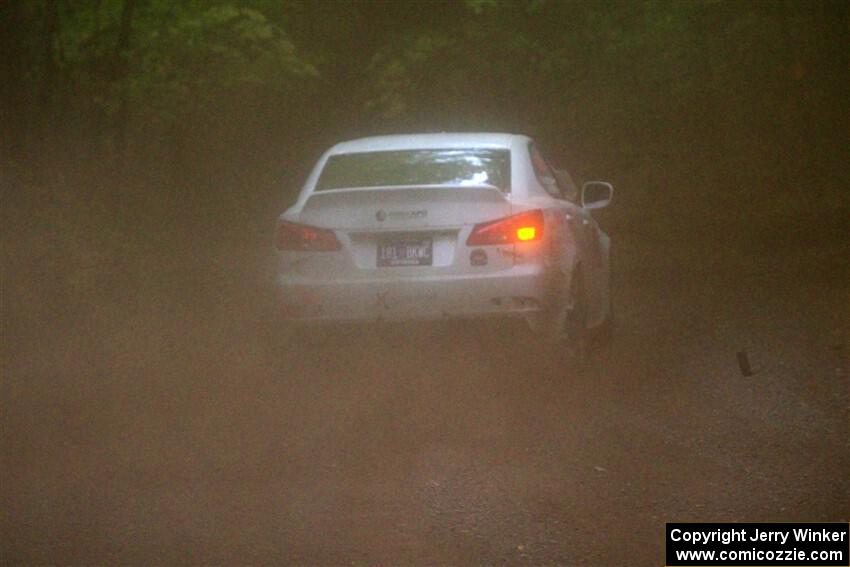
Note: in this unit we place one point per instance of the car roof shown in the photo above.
(427, 141)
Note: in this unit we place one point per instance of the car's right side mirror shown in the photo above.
(596, 194)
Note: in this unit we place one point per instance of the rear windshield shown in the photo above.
(468, 166)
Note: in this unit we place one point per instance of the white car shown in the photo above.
(434, 226)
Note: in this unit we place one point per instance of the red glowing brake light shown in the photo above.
(517, 228)
(293, 236)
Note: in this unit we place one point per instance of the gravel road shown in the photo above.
(184, 430)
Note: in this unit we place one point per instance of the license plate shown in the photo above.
(405, 252)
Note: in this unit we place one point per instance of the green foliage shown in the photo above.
(221, 46)
(180, 57)
(616, 85)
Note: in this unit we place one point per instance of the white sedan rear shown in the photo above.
(435, 226)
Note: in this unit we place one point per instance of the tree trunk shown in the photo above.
(120, 70)
(16, 100)
(47, 92)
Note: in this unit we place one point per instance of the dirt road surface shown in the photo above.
(183, 428)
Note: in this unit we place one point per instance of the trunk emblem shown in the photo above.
(381, 215)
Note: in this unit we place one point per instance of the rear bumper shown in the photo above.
(517, 292)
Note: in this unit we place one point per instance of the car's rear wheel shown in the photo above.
(572, 325)
(568, 331)
(602, 335)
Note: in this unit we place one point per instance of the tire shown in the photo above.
(603, 335)
(571, 338)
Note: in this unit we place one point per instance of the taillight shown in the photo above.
(517, 228)
(293, 236)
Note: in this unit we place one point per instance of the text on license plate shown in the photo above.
(405, 252)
